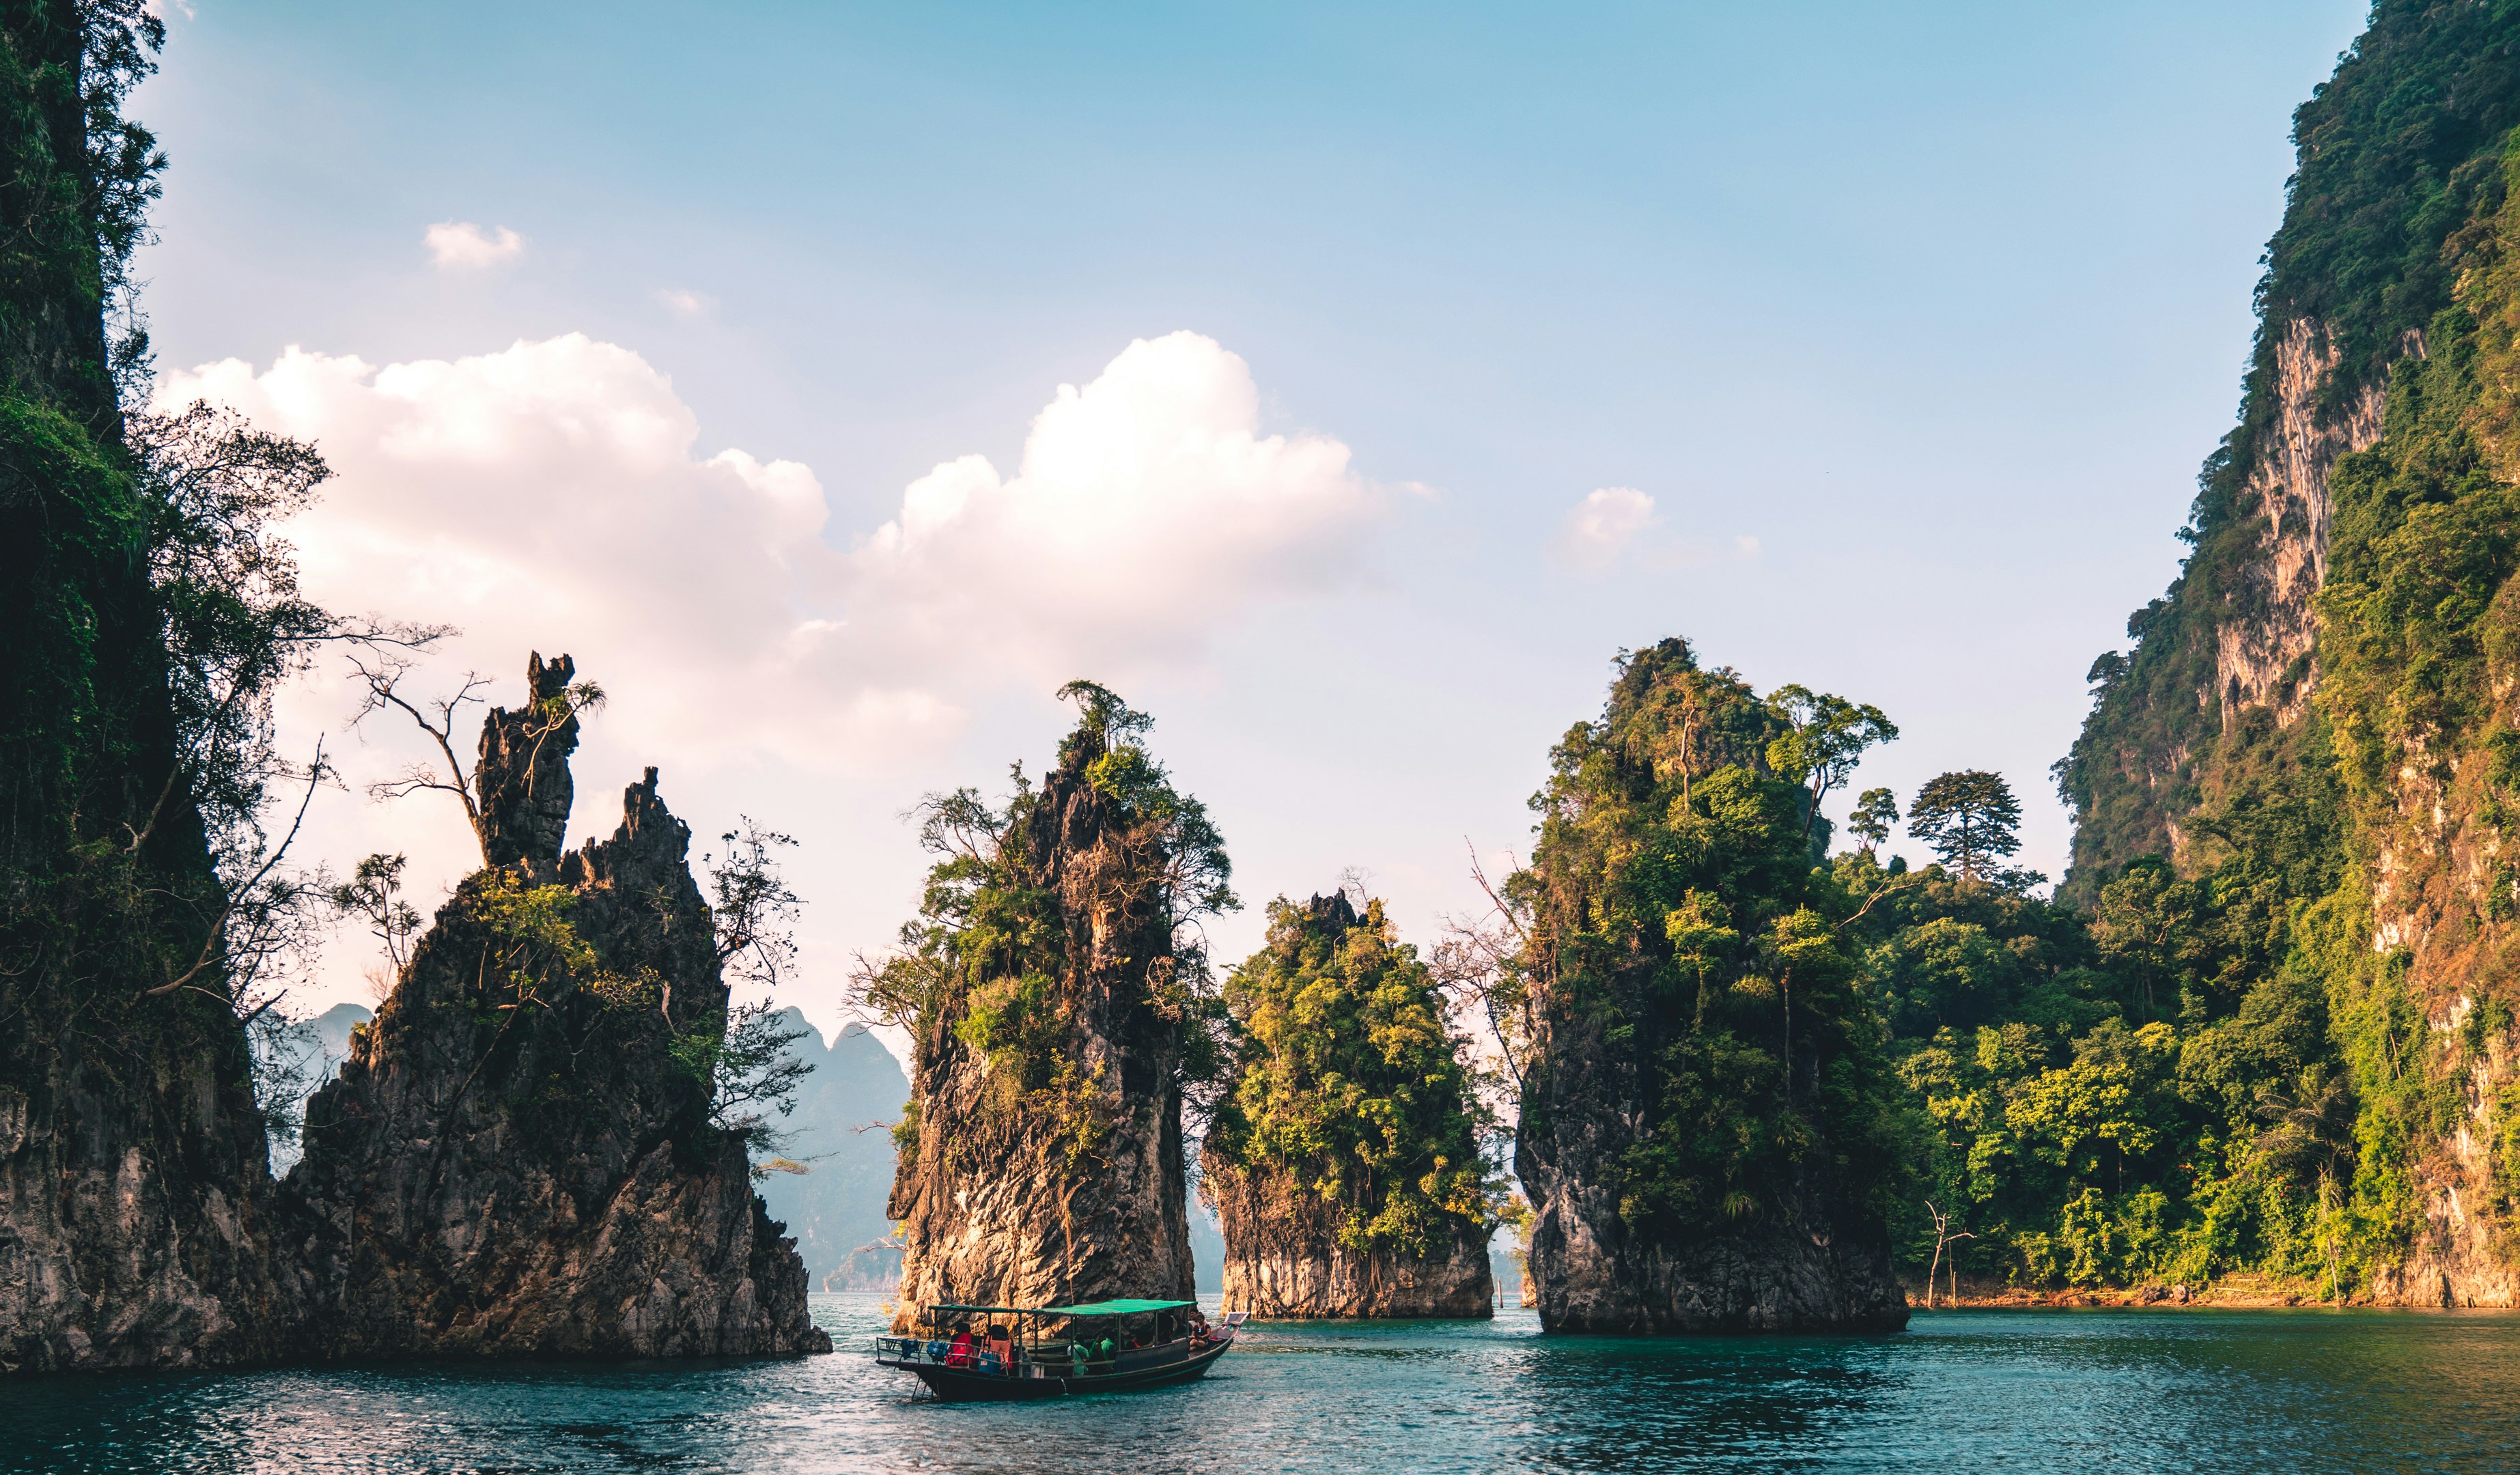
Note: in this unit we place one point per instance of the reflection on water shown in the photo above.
(2290, 1392)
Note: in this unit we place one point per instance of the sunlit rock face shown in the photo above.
(517, 1159)
(1284, 1258)
(1076, 1192)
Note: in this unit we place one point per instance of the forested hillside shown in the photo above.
(2292, 791)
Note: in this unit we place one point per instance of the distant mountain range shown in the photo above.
(841, 1125)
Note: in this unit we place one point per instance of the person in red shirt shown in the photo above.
(960, 1354)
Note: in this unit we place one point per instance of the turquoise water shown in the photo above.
(2292, 1392)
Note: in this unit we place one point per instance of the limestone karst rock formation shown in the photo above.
(1799, 1271)
(1284, 1258)
(1048, 1166)
(1345, 1052)
(1694, 1113)
(518, 1157)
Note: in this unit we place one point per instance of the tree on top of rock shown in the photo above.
(1968, 818)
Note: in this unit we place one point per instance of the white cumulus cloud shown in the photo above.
(556, 496)
(1619, 524)
(553, 496)
(1602, 527)
(1148, 510)
(461, 245)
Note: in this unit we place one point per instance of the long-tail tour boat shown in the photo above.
(999, 1353)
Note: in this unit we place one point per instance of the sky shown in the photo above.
(1346, 385)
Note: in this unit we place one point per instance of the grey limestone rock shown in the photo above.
(1002, 1205)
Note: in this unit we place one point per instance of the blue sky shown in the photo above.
(1914, 326)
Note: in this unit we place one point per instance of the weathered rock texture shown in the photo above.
(134, 1197)
(1284, 1258)
(1073, 1190)
(512, 1161)
(1804, 1270)
(135, 1210)
(2264, 649)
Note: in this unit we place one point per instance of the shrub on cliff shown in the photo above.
(991, 956)
(1351, 1086)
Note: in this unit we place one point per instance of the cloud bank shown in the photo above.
(1602, 525)
(554, 496)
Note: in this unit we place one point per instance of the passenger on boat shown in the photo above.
(960, 1356)
(1197, 1324)
(1004, 1346)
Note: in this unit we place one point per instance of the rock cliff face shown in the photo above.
(1054, 1173)
(1812, 1264)
(2264, 651)
(517, 1159)
(2322, 706)
(135, 1209)
(134, 1200)
(1284, 1258)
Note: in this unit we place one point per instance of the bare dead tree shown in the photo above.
(1944, 1236)
(384, 678)
(1484, 961)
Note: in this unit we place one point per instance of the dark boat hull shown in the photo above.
(961, 1385)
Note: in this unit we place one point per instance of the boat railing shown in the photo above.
(941, 1354)
(1057, 1360)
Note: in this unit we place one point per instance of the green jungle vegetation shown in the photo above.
(1000, 953)
(2190, 1063)
(2266, 1086)
(1352, 1088)
(149, 613)
(2151, 1090)
(1674, 909)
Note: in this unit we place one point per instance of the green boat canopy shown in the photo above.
(1088, 1309)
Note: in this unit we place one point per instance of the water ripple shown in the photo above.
(2299, 1393)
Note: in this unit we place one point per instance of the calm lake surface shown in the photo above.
(2292, 1392)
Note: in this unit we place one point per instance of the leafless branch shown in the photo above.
(383, 681)
(249, 893)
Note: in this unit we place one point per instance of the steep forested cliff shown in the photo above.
(2292, 792)
(1059, 1012)
(1347, 1162)
(1706, 1130)
(134, 1199)
(523, 1157)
